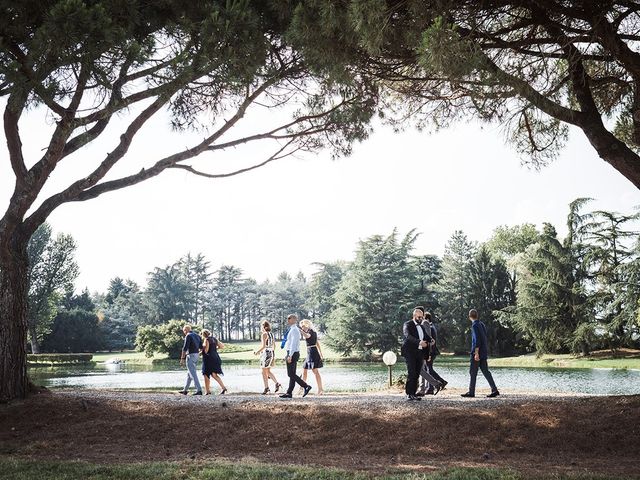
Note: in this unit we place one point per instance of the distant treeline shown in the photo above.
(534, 291)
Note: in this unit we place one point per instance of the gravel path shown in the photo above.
(356, 400)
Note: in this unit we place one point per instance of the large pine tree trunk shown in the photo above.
(13, 320)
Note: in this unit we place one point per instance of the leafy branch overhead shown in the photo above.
(534, 67)
(208, 64)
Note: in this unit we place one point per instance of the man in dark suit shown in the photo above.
(416, 341)
(440, 383)
(479, 356)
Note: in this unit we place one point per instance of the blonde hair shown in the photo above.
(306, 323)
(205, 333)
(187, 327)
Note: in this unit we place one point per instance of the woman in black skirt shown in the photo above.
(314, 358)
(211, 363)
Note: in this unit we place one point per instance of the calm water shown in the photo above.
(343, 378)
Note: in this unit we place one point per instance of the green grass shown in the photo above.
(22, 469)
(243, 351)
(566, 361)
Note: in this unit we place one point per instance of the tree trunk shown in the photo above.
(13, 319)
(33, 337)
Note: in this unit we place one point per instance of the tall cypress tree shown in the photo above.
(375, 296)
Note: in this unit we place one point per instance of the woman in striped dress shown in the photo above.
(268, 357)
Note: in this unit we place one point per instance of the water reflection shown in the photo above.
(341, 377)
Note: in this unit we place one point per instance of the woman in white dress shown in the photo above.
(268, 357)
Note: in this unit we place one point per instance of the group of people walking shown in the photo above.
(208, 346)
(419, 349)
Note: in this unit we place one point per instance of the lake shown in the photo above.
(346, 377)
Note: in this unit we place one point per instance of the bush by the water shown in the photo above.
(166, 338)
(59, 358)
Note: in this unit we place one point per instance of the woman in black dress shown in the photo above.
(314, 358)
(211, 363)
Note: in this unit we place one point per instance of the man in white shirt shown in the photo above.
(292, 347)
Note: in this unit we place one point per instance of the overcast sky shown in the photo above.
(290, 214)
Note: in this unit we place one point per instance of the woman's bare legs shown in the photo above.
(272, 376)
(316, 372)
(217, 378)
(207, 385)
(265, 378)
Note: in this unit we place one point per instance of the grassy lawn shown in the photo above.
(243, 352)
(569, 361)
(59, 470)
(129, 356)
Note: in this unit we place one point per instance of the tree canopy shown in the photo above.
(534, 67)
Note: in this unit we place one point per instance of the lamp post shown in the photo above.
(389, 358)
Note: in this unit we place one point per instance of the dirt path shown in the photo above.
(366, 432)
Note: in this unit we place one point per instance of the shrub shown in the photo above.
(166, 338)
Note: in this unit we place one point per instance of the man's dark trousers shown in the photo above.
(473, 371)
(414, 365)
(432, 372)
(291, 372)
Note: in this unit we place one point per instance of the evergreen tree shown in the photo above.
(489, 281)
(196, 278)
(166, 294)
(608, 258)
(455, 290)
(75, 327)
(429, 269)
(226, 300)
(322, 288)
(551, 304)
(375, 297)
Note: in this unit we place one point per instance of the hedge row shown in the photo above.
(59, 358)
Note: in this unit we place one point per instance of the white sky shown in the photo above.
(290, 214)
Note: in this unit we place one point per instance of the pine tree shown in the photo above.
(375, 296)
(455, 290)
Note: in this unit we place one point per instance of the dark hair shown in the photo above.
(427, 315)
(266, 325)
(473, 314)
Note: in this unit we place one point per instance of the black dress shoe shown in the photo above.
(468, 395)
(198, 393)
(307, 389)
(429, 392)
(493, 394)
(286, 395)
(182, 392)
(413, 398)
